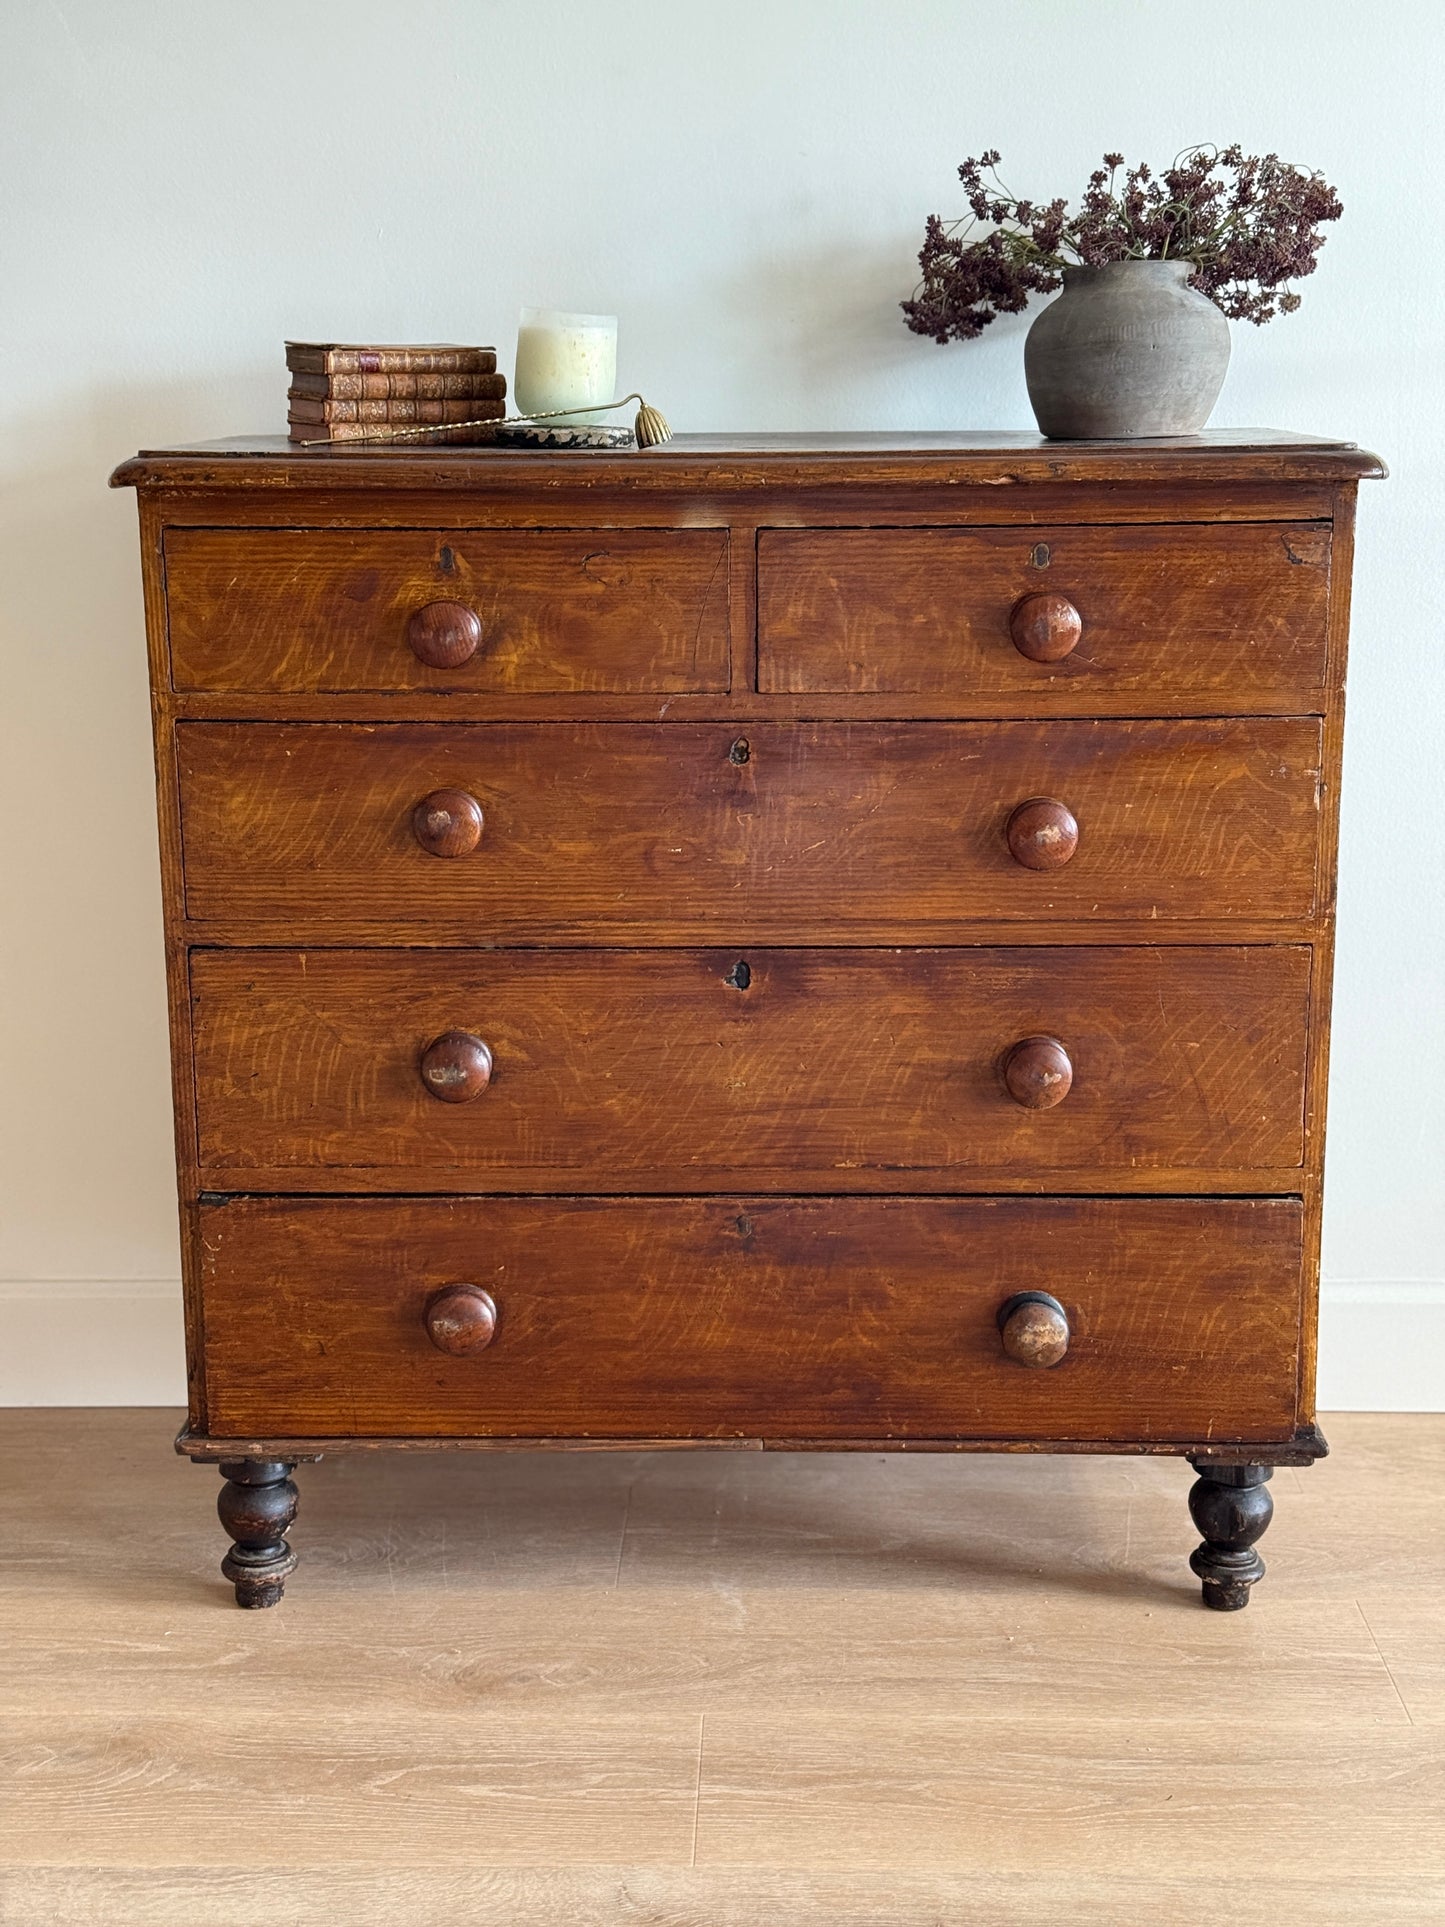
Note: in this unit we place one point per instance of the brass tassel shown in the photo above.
(651, 428)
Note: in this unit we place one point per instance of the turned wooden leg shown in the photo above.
(257, 1505)
(1231, 1506)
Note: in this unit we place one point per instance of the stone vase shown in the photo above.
(1126, 350)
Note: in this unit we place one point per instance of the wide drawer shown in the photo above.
(536, 610)
(741, 1316)
(687, 831)
(682, 1070)
(1181, 618)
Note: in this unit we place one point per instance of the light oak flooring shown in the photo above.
(717, 1690)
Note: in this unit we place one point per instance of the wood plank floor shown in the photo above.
(717, 1690)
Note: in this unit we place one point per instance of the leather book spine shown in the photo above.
(305, 408)
(380, 432)
(420, 387)
(326, 358)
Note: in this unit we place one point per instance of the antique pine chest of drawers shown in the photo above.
(798, 942)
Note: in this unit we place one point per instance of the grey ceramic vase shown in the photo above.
(1126, 350)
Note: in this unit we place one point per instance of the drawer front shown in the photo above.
(590, 832)
(617, 1071)
(530, 611)
(753, 1317)
(1221, 617)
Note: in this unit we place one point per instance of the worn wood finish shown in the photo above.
(257, 1505)
(636, 1070)
(1305, 1446)
(740, 706)
(718, 1316)
(461, 1320)
(1042, 833)
(675, 833)
(1225, 618)
(177, 961)
(1042, 626)
(669, 810)
(1038, 1073)
(455, 1067)
(442, 635)
(449, 823)
(1232, 1507)
(555, 611)
(995, 460)
(1323, 947)
(1034, 1329)
(511, 499)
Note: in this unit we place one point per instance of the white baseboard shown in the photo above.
(1382, 1345)
(92, 1341)
(119, 1342)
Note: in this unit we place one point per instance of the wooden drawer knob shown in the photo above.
(456, 1067)
(447, 823)
(461, 1319)
(1044, 627)
(444, 635)
(1038, 1073)
(1042, 833)
(1034, 1328)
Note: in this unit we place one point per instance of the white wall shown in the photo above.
(186, 182)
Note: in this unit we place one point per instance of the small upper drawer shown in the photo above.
(531, 611)
(1188, 619)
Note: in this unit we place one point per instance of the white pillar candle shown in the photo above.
(565, 361)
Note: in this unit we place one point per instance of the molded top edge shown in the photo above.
(975, 457)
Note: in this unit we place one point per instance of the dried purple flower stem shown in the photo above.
(1249, 223)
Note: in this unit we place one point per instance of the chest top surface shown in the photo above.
(997, 458)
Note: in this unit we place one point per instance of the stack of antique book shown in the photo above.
(342, 392)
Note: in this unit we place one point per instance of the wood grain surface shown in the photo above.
(561, 611)
(685, 832)
(172, 1895)
(711, 864)
(706, 1317)
(1225, 617)
(548, 1663)
(667, 1070)
(998, 460)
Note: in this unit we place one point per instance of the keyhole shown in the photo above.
(741, 751)
(1040, 557)
(739, 976)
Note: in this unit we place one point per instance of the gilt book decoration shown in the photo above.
(349, 358)
(355, 394)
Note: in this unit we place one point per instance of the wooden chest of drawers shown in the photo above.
(800, 942)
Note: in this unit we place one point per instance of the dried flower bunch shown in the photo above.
(1249, 222)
